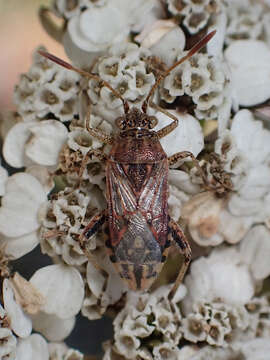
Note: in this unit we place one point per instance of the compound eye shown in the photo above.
(152, 121)
(121, 123)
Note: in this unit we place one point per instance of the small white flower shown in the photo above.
(166, 351)
(62, 220)
(3, 179)
(145, 315)
(16, 247)
(8, 344)
(52, 327)
(88, 29)
(62, 287)
(80, 139)
(127, 343)
(255, 349)
(187, 136)
(43, 175)
(126, 68)
(243, 152)
(246, 20)
(248, 62)
(194, 15)
(211, 353)
(60, 351)
(104, 288)
(23, 191)
(47, 88)
(8, 340)
(46, 141)
(20, 323)
(34, 347)
(165, 40)
(255, 250)
(203, 79)
(95, 29)
(210, 278)
(215, 46)
(203, 215)
(194, 327)
(175, 201)
(34, 143)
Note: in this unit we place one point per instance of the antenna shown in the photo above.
(200, 44)
(85, 74)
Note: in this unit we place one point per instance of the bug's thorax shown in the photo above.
(137, 146)
(137, 142)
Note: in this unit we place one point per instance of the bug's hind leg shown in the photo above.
(180, 240)
(91, 229)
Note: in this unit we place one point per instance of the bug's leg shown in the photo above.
(184, 154)
(179, 238)
(97, 133)
(99, 154)
(91, 229)
(169, 128)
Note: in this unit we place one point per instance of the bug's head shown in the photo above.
(135, 119)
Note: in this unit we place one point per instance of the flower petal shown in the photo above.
(34, 347)
(46, 141)
(249, 62)
(188, 135)
(63, 289)
(20, 323)
(52, 327)
(23, 192)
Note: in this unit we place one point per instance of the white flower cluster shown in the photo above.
(245, 159)
(148, 322)
(46, 92)
(125, 68)
(201, 78)
(59, 235)
(93, 26)
(22, 312)
(63, 220)
(194, 15)
(247, 19)
(22, 191)
(222, 309)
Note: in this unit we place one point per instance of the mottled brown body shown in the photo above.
(140, 229)
(137, 195)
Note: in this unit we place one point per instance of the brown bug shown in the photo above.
(140, 229)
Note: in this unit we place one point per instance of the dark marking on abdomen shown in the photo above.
(138, 271)
(151, 273)
(125, 271)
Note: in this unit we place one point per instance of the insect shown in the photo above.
(140, 229)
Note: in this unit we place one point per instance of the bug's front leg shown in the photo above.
(91, 229)
(97, 133)
(180, 240)
(99, 154)
(169, 128)
(184, 154)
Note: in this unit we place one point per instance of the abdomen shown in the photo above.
(138, 219)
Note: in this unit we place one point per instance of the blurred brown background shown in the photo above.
(20, 34)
